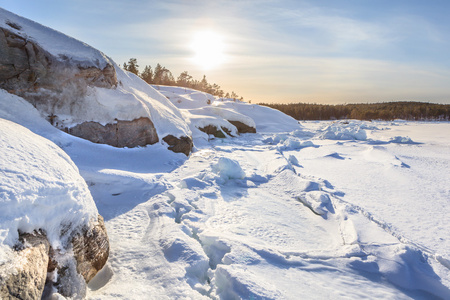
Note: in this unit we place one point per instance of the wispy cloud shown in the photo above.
(277, 50)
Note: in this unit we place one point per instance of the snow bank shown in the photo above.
(40, 188)
(267, 120)
(204, 109)
(59, 45)
(185, 98)
(166, 117)
(285, 141)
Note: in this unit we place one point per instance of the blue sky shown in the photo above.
(276, 51)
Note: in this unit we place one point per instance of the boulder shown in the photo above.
(139, 132)
(26, 67)
(62, 89)
(25, 277)
(183, 144)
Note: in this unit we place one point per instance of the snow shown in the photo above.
(270, 215)
(40, 188)
(240, 219)
(344, 131)
(134, 98)
(201, 109)
(317, 210)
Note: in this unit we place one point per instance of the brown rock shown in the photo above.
(25, 67)
(91, 250)
(13, 58)
(26, 278)
(139, 132)
(102, 78)
(211, 129)
(243, 128)
(183, 144)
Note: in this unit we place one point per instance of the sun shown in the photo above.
(208, 49)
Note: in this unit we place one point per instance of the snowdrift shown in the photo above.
(46, 211)
(40, 188)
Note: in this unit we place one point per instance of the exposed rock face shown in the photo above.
(26, 278)
(139, 132)
(90, 253)
(26, 67)
(91, 250)
(183, 144)
(243, 128)
(211, 129)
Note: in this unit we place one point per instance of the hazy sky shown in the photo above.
(273, 51)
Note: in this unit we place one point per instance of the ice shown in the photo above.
(401, 140)
(228, 169)
(345, 131)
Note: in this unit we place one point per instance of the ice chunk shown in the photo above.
(228, 169)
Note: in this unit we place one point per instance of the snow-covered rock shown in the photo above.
(80, 90)
(43, 194)
(220, 117)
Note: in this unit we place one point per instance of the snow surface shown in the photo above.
(272, 215)
(40, 188)
(238, 219)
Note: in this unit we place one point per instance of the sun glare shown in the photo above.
(208, 48)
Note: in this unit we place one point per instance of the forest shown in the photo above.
(416, 111)
(162, 76)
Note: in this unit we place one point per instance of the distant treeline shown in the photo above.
(162, 76)
(375, 111)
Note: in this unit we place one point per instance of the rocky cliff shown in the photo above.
(77, 89)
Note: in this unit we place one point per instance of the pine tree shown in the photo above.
(132, 66)
(147, 74)
(184, 79)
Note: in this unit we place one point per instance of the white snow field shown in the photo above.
(318, 210)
